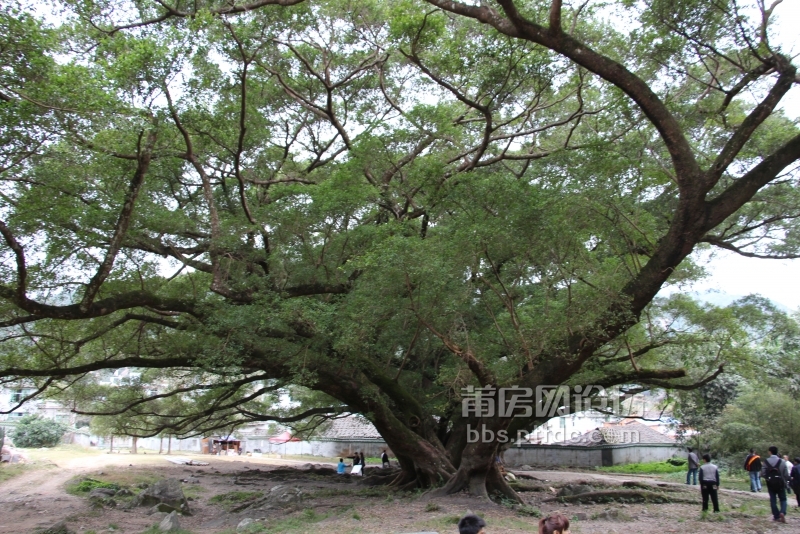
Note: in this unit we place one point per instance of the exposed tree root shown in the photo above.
(637, 496)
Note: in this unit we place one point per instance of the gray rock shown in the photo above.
(243, 524)
(170, 523)
(58, 528)
(101, 500)
(161, 507)
(580, 516)
(191, 480)
(526, 467)
(102, 492)
(166, 491)
(123, 493)
(281, 494)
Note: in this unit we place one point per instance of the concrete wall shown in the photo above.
(553, 456)
(154, 443)
(644, 453)
(330, 449)
(566, 456)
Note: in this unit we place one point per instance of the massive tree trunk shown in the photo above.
(411, 438)
(478, 471)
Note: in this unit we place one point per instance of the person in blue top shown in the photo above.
(340, 467)
(709, 483)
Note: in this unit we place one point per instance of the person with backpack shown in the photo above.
(795, 479)
(752, 464)
(709, 483)
(693, 465)
(774, 473)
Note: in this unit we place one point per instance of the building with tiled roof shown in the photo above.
(352, 427)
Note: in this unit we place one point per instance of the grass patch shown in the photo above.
(234, 498)
(193, 490)
(649, 468)
(735, 483)
(445, 523)
(527, 509)
(300, 522)
(88, 484)
(9, 471)
(377, 491)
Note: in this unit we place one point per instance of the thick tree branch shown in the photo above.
(123, 221)
(743, 189)
(132, 361)
(230, 9)
(757, 116)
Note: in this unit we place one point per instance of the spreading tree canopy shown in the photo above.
(381, 203)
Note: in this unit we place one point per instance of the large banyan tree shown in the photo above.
(382, 204)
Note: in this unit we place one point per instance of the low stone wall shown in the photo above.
(599, 456)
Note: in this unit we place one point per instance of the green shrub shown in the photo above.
(34, 431)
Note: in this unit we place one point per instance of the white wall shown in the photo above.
(329, 449)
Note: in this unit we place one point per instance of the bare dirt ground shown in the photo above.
(39, 498)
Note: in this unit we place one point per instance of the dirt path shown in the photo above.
(38, 499)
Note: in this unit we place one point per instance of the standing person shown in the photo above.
(709, 483)
(795, 480)
(752, 464)
(788, 469)
(554, 524)
(775, 478)
(340, 467)
(384, 459)
(694, 462)
(363, 463)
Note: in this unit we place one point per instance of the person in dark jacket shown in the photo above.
(363, 464)
(752, 464)
(709, 483)
(795, 480)
(774, 469)
(693, 465)
(384, 459)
